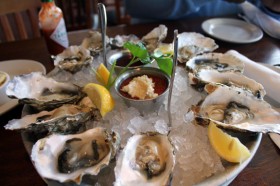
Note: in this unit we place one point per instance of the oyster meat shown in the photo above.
(154, 37)
(191, 44)
(147, 159)
(73, 59)
(237, 110)
(205, 76)
(42, 92)
(93, 42)
(218, 61)
(69, 157)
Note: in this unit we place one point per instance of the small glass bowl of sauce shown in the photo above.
(161, 85)
(122, 58)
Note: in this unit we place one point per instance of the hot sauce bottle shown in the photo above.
(53, 27)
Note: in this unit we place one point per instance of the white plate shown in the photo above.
(14, 68)
(232, 30)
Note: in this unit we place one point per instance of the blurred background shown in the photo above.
(78, 12)
(21, 17)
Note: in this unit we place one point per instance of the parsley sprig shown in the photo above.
(140, 53)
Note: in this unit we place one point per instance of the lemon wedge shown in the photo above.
(100, 97)
(227, 147)
(102, 74)
(2, 78)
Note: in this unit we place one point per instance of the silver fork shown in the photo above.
(175, 43)
(103, 18)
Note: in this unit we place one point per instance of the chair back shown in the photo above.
(19, 19)
(78, 14)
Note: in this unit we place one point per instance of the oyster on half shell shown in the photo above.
(218, 61)
(147, 159)
(42, 92)
(154, 37)
(73, 59)
(93, 42)
(68, 158)
(205, 76)
(119, 40)
(191, 44)
(67, 119)
(237, 110)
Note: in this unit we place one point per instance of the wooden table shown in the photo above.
(16, 168)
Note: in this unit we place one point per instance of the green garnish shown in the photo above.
(140, 53)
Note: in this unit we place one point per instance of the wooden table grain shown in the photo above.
(16, 168)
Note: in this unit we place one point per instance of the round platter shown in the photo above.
(222, 178)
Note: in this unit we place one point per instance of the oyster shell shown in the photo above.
(66, 119)
(41, 92)
(69, 157)
(237, 110)
(206, 76)
(93, 42)
(147, 159)
(119, 40)
(165, 48)
(154, 37)
(73, 59)
(191, 44)
(218, 61)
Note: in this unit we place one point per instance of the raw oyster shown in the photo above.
(218, 61)
(41, 92)
(73, 59)
(236, 110)
(191, 44)
(154, 37)
(69, 157)
(165, 48)
(147, 159)
(205, 76)
(93, 42)
(66, 119)
(119, 40)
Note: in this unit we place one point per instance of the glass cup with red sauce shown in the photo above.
(122, 58)
(161, 85)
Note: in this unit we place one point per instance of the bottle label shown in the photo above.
(59, 35)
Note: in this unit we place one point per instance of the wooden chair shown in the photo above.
(117, 6)
(78, 14)
(83, 14)
(19, 19)
(122, 17)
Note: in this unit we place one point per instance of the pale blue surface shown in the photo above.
(179, 9)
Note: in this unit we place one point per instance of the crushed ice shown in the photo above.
(195, 158)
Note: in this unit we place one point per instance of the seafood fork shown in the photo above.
(103, 18)
(175, 43)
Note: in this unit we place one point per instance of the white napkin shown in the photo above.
(270, 25)
(264, 75)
